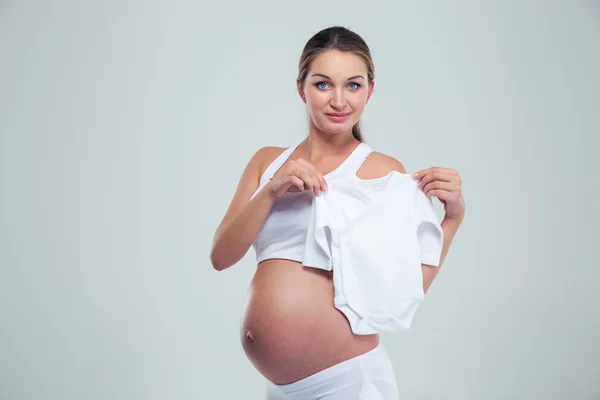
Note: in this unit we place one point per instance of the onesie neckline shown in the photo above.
(355, 181)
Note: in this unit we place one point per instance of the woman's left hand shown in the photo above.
(446, 185)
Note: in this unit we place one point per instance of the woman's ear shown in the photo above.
(371, 87)
(300, 90)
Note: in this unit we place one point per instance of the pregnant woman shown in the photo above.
(290, 329)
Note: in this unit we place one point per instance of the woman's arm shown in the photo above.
(235, 236)
(244, 218)
(446, 185)
(449, 226)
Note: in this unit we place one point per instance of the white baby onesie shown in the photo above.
(375, 248)
(373, 234)
(376, 256)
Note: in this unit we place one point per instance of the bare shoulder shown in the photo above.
(266, 155)
(378, 164)
(250, 179)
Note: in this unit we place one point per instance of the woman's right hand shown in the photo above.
(296, 176)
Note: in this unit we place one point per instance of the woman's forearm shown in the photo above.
(233, 239)
(450, 227)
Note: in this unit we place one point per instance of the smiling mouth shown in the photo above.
(338, 118)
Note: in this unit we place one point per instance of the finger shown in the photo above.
(421, 173)
(318, 185)
(322, 181)
(295, 181)
(434, 174)
(313, 173)
(319, 176)
(306, 178)
(441, 194)
(316, 181)
(448, 186)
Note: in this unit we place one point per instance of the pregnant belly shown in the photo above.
(290, 328)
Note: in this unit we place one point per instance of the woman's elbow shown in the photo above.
(224, 254)
(218, 263)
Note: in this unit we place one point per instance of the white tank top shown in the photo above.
(373, 234)
(283, 234)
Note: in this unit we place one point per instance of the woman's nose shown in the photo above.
(338, 101)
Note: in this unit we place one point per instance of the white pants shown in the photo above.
(369, 376)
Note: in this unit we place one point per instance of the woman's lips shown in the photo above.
(337, 118)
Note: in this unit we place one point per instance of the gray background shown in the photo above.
(124, 130)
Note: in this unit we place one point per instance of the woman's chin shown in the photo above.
(337, 128)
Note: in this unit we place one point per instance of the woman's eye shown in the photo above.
(357, 85)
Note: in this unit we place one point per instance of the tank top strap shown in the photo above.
(277, 163)
(361, 156)
(355, 160)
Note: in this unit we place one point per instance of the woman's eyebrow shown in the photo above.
(325, 76)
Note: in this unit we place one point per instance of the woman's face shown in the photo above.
(336, 84)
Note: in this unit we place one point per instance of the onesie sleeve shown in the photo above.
(429, 230)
